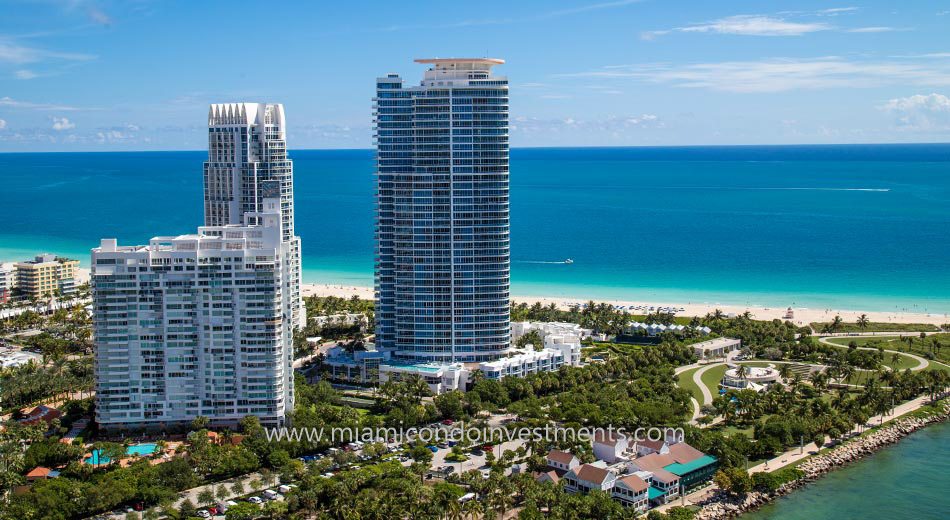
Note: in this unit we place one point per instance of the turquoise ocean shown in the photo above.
(907, 480)
(850, 227)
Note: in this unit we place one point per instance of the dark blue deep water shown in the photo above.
(863, 226)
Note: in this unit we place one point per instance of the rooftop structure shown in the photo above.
(195, 325)
(715, 348)
(744, 377)
(248, 162)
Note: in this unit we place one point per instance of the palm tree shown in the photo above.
(863, 321)
(836, 324)
(785, 371)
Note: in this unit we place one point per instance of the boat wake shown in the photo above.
(550, 262)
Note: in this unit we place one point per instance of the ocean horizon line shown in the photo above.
(563, 147)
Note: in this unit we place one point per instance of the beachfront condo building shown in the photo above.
(247, 147)
(7, 281)
(46, 275)
(442, 225)
(196, 325)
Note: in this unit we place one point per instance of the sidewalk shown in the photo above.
(795, 454)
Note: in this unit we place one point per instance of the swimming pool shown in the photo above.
(141, 450)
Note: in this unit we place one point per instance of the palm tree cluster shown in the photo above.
(32, 383)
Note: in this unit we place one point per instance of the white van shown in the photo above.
(270, 494)
(284, 489)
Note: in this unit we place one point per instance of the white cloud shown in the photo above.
(592, 7)
(834, 11)
(920, 112)
(62, 123)
(784, 74)
(9, 102)
(609, 124)
(25, 74)
(112, 136)
(3, 124)
(747, 25)
(11, 52)
(880, 29)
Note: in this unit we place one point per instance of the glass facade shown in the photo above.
(442, 221)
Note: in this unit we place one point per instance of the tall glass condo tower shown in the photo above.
(442, 222)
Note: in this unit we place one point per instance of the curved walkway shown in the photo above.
(698, 380)
(922, 363)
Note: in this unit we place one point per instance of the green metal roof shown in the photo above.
(681, 469)
(655, 493)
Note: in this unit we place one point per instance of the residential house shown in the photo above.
(631, 491)
(610, 447)
(562, 460)
(646, 447)
(587, 477)
(550, 476)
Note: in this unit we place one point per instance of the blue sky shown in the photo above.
(138, 74)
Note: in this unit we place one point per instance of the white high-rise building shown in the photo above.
(196, 325)
(247, 146)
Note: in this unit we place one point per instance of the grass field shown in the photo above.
(712, 377)
(685, 380)
(921, 347)
(877, 327)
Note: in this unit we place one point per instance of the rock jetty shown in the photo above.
(721, 505)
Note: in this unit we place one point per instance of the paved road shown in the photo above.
(922, 363)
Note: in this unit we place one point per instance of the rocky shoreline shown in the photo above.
(722, 506)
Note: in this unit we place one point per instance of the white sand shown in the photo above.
(803, 316)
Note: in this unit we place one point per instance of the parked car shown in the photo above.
(256, 500)
(284, 489)
(270, 494)
(203, 514)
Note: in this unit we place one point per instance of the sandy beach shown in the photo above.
(803, 316)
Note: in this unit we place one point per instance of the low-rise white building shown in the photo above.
(562, 336)
(440, 377)
(610, 448)
(522, 363)
(716, 348)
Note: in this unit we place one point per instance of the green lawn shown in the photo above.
(919, 347)
(685, 380)
(712, 377)
(877, 327)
